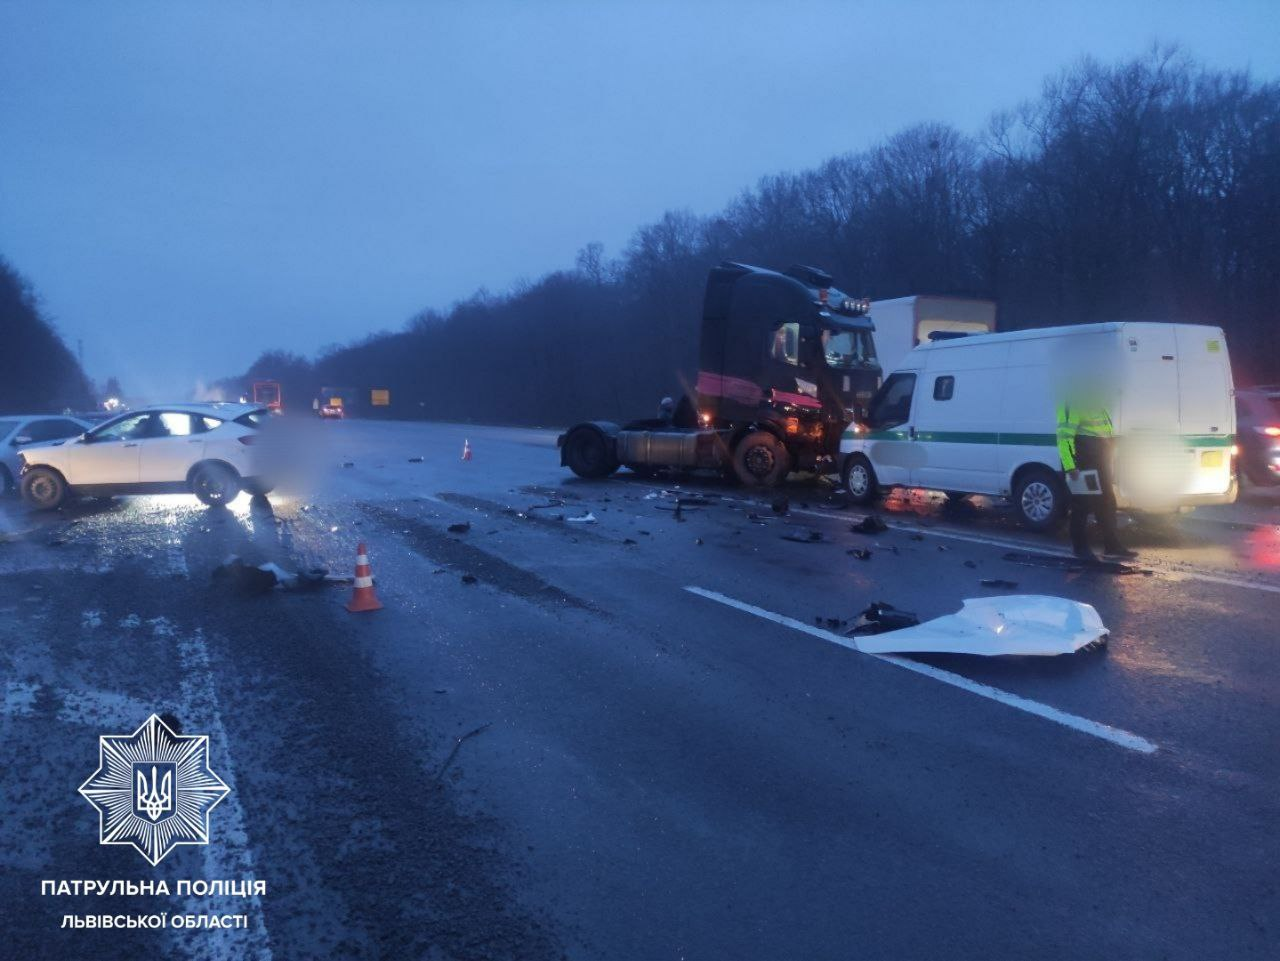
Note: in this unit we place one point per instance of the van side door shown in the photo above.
(890, 433)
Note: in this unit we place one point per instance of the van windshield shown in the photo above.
(848, 349)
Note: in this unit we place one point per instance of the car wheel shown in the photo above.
(860, 479)
(761, 460)
(1040, 499)
(215, 484)
(44, 488)
(588, 454)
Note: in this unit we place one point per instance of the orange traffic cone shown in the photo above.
(466, 450)
(363, 598)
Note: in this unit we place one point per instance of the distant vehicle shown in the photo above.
(331, 411)
(205, 449)
(906, 322)
(267, 394)
(345, 400)
(1258, 427)
(19, 432)
(785, 358)
(978, 415)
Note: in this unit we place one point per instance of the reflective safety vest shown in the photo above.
(1076, 421)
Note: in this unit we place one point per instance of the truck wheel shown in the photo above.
(43, 488)
(1040, 499)
(215, 484)
(860, 479)
(588, 454)
(761, 460)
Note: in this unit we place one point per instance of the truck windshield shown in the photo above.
(847, 349)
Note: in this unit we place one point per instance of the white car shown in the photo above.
(210, 450)
(18, 431)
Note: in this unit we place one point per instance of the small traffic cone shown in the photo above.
(466, 450)
(363, 598)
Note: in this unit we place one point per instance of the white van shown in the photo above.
(978, 415)
(905, 322)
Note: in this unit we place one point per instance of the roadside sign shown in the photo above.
(379, 397)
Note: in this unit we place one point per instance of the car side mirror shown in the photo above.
(19, 441)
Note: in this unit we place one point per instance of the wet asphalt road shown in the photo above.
(575, 756)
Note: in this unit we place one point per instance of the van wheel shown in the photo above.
(1040, 499)
(860, 479)
(43, 488)
(588, 454)
(215, 484)
(761, 460)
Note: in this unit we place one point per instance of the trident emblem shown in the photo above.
(157, 798)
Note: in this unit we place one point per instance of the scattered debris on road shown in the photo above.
(587, 518)
(880, 617)
(461, 528)
(415, 460)
(1068, 563)
(457, 745)
(781, 505)
(861, 553)
(871, 524)
(998, 582)
(806, 537)
(469, 578)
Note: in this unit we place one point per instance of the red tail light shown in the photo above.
(1270, 431)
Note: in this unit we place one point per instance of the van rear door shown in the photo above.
(1206, 409)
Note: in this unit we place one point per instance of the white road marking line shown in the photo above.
(229, 854)
(1085, 726)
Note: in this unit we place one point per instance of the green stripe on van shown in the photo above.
(1012, 440)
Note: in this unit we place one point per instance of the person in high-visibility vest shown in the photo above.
(1085, 442)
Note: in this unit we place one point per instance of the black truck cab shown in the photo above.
(785, 361)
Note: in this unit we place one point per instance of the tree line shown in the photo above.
(38, 374)
(1144, 190)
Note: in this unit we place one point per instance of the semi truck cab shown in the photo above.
(785, 360)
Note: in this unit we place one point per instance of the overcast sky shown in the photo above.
(187, 184)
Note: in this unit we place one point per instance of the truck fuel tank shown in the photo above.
(670, 448)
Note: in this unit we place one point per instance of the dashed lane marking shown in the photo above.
(1096, 729)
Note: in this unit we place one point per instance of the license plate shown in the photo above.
(1211, 458)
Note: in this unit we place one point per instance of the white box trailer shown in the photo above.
(906, 322)
(978, 415)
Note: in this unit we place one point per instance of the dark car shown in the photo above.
(1258, 430)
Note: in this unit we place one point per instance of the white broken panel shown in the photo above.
(1014, 624)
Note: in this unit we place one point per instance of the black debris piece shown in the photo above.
(880, 618)
(970, 563)
(943, 547)
(698, 541)
(348, 463)
(459, 528)
(998, 582)
(861, 553)
(780, 505)
(468, 578)
(917, 537)
(805, 537)
(415, 460)
(871, 524)
(243, 578)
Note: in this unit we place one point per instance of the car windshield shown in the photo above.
(846, 349)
